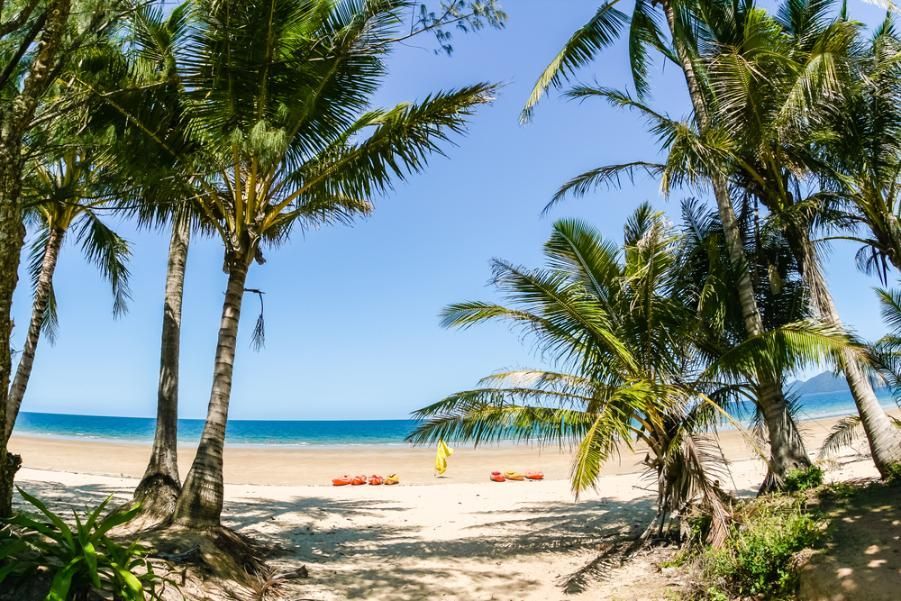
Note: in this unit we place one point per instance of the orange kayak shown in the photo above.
(497, 477)
(535, 475)
(358, 481)
(376, 480)
(342, 481)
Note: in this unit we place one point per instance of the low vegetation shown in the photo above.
(801, 479)
(756, 558)
(44, 553)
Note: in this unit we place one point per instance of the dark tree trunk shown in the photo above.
(159, 488)
(200, 502)
(11, 240)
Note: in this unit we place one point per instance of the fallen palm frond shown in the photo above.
(846, 432)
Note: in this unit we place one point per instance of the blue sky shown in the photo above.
(351, 312)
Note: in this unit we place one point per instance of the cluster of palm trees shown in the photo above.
(794, 130)
(243, 121)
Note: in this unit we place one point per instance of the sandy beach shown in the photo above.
(458, 537)
(289, 466)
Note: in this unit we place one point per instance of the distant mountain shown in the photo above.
(824, 382)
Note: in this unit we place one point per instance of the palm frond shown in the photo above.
(608, 175)
(844, 433)
(602, 30)
(110, 252)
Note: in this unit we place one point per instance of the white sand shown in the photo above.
(457, 540)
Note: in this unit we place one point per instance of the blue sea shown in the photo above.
(313, 433)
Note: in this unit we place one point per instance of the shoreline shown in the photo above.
(237, 440)
(316, 465)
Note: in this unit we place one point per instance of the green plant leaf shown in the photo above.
(131, 584)
(117, 518)
(90, 559)
(62, 582)
(64, 530)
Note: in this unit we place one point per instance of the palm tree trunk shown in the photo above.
(883, 437)
(786, 450)
(200, 502)
(782, 434)
(12, 237)
(42, 291)
(17, 115)
(159, 488)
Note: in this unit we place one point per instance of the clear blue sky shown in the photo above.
(352, 326)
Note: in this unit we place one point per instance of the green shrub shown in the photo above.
(756, 558)
(801, 479)
(78, 561)
(894, 473)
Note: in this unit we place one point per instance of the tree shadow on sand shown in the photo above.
(862, 556)
(362, 548)
(400, 561)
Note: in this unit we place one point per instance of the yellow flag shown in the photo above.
(441, 456)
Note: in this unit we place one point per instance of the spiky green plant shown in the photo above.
(80, 560)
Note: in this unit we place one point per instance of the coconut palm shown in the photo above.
(709, 276)
(613, 324)
(887, 351)
(775, 81)
(60, 195)
(682, 45)
(861, 156)
(147, 108)
(798, 65)
(621, 328)
(26, 76)
(277, 109)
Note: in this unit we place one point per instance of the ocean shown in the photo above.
(313, 433)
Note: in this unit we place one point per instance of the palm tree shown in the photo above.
(645, 34)
(887, 351)
(26, 76)
(613, 321)
(149, 112)
(278, 110)
(860, 161)
(624, 331)
(709, 276)
(60, 194)
(773, 79)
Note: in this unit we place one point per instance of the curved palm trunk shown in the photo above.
(883, 437)
(786, 449)
(42, 291)
(200, 503)
(159, 488)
